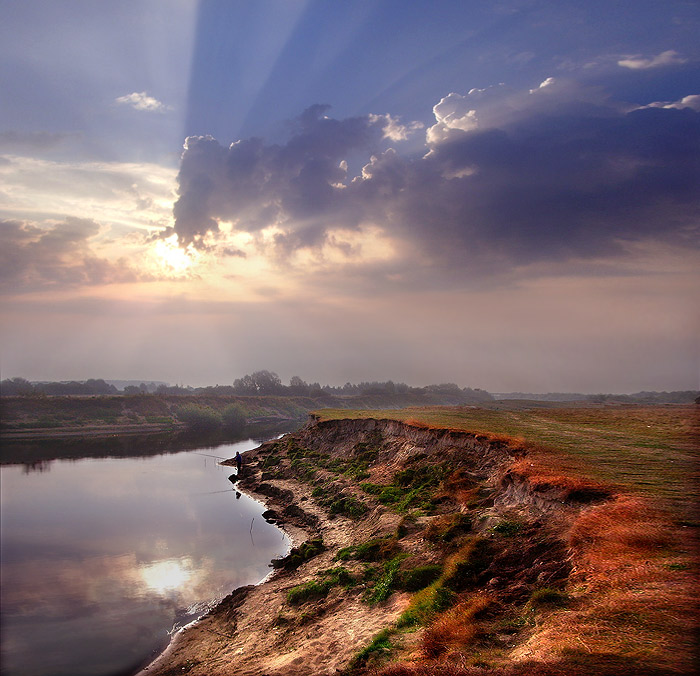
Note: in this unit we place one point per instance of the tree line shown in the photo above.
(262, 382)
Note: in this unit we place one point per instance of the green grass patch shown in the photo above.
(388, 581)
(317, 589)
(507, 527)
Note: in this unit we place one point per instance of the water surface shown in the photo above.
(101, 558)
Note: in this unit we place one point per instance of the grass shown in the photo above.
(316, 589)
(626, 606)
(652, 449)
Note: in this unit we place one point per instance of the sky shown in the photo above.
(502, 195)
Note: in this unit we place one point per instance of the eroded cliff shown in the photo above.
(419, 551)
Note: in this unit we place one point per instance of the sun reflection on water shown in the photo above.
(166, 576)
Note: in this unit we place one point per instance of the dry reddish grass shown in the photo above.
(634, 588)
(455, 628)
(632, 608)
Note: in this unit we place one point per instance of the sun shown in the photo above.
(172, 259)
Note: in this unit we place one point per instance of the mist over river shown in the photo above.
(102, 558)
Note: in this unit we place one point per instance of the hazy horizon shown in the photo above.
(500, 195)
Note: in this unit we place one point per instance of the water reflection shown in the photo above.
(102, 557)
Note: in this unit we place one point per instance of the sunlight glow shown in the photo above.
(165, 576)
(172, 259)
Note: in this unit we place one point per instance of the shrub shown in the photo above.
(348, 506)
(198, 417)
(299, 555)
(233, 418)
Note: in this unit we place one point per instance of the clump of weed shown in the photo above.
(387, 582)
(507, 527)
(336, 501)
(446, 528)
(380, 646)
(413, 486)
(299, 555)
(379, 549)
(419, 577)
(316, 589)
(460, 570)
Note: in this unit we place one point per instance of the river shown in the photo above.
(102, 558)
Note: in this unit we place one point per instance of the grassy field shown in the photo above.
(650, 449)
(628, 605)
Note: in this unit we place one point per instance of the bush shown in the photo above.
(233, 418)
(198, 417)
(299, 555)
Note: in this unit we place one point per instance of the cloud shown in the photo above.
(142, 101)
(511, 178)
(393, 129)
(667, 58)
(118, 194)
(692, 101)
(33, 258)
(258, 185)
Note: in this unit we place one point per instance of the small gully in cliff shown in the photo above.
(422, 550)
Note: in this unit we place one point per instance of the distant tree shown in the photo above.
(99, 387)
(244, 385)
(298, 386)
(267, 382)
(16, 387)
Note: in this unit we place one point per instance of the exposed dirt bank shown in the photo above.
(440, 549)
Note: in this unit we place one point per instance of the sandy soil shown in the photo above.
(255, 632)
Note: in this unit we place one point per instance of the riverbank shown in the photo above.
(437, 549)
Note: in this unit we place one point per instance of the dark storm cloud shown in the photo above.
(554, 173)
(33, 258)
(260, 184)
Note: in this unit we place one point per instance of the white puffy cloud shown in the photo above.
(637, 62)
(393, 129)
(452, 112)
(142, 101)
